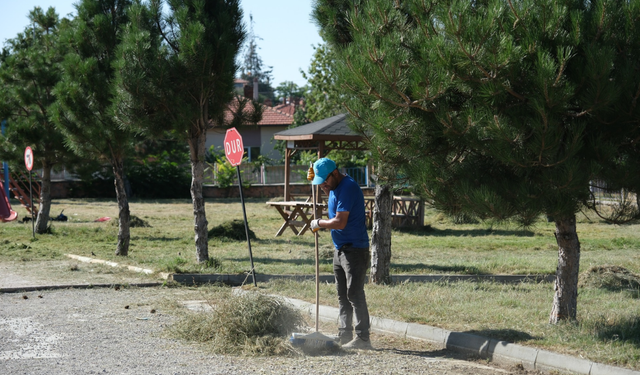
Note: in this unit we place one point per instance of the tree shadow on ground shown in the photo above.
(428, 230)
(297, 262)
(510, 335)
(625, 330)
(407, 268)
(395, 268)
(156, 239)
(439, 353)
(282, 241)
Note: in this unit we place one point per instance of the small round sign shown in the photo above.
(233, 147)
(28, 158)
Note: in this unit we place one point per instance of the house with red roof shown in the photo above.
(257, 140)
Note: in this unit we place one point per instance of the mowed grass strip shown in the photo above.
(440, 248)
(608, 317)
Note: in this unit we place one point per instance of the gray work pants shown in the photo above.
(350, 270)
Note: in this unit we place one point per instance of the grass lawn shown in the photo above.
(608, 326)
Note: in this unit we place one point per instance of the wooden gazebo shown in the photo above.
(332, 133)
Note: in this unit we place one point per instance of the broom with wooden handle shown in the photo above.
(315, 339)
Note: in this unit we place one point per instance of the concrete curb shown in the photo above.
(19, 289)
(146, 271)
(496, 350)
(243, 279)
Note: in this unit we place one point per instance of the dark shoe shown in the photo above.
(358, 343)
(345, 336)
(343, 340)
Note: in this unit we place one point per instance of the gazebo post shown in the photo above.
(287, 171)
(320, 155)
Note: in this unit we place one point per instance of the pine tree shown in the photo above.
(85, 95)
(28, 73)
(324, 97)
(253, 67)
(497, 109)
(175, 76)
(290, 90)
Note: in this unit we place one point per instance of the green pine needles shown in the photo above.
(498, 109)
(503, 109)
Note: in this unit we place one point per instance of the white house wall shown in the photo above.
(215, 137)
(268, 143)
(251, 137)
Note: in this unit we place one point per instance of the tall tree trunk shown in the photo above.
(197, 141)
(381, 232)
(124, 234)
(42, 222)
(565, 300)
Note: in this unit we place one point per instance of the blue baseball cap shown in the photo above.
(322, 168)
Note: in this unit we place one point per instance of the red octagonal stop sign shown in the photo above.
(233, 148)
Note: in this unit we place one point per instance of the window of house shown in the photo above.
(252, 153)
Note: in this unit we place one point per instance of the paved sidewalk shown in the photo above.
(498, 351)
(123, 331)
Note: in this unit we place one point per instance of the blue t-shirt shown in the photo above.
(347, 196)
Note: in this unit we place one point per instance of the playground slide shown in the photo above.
(6, 214)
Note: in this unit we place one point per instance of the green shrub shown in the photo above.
(159, 178)
(164, 175)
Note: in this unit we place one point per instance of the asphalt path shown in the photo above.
(122, 330)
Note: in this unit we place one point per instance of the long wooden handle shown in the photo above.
(315, 234)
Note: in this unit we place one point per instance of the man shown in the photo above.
(351, 257)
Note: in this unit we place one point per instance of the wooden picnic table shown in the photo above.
(296, 214)
(406, 212)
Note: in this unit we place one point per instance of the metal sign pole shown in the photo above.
(246, 226)
(5, 165)
(33, 222)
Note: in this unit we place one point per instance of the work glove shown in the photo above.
(315, 226)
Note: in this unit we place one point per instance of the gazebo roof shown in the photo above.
(332, 133)
(330, 129)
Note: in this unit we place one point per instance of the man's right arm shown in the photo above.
(338, 222)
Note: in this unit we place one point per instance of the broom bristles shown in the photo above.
(312, 340)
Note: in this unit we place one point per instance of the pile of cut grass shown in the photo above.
(233, 230)
(610, 277)
(246, 324)
(134, 222)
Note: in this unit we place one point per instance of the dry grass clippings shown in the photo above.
(246, 324)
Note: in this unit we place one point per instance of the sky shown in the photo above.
(284, 26)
